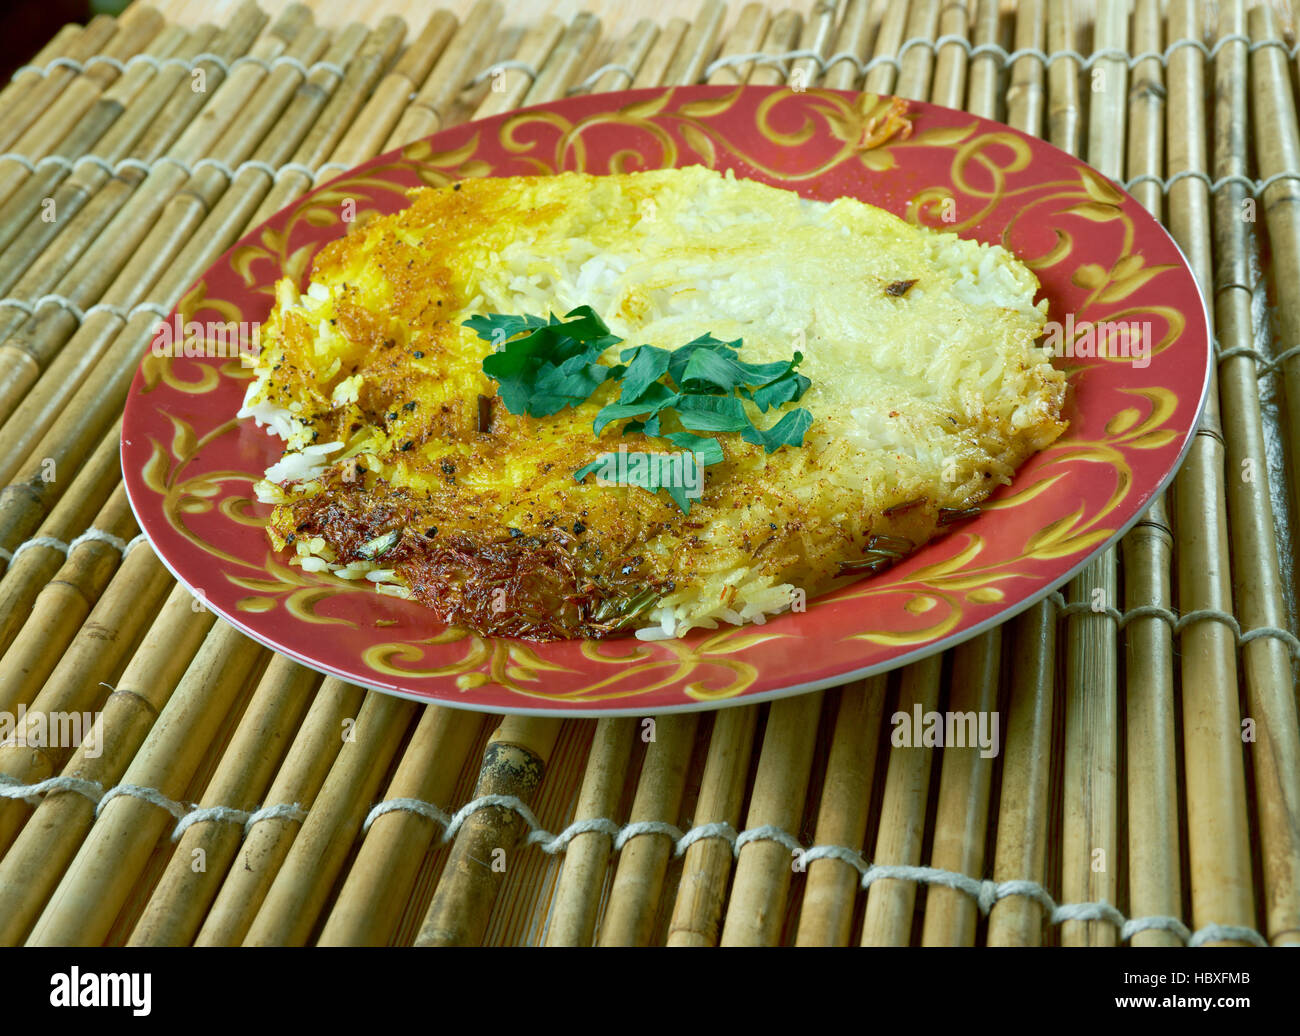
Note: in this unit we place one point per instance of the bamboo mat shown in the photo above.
(1147, 791)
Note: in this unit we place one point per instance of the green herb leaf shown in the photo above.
(509, 326)
(712, 413)
(648, 365)
(553, 365)
(789, 431)
(655, 398)
(705, 343)
(788, 388)
(707, 451)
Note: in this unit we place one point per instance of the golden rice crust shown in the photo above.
(927, 391)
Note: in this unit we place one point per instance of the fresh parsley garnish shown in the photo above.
(552, 366)
(543, 364)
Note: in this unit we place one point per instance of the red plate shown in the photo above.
(189, 465)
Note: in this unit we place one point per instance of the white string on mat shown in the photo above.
(1264, 364)
(1178, 622)
(1047, 58)
(53, 543)
(122, 312)
(984, 892)
(188, 64)
(594, 78)
(1256, 187)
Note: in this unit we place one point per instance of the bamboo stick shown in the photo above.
(1025, 808)
(35, 566)
(266, 844)
(826, 917)
(966, 774)
(1277, 151)
(1025, 94)
(572, 920)
(381, 878)
(1063, 113)
(638, 879)
(885, 922)
(702, 887)
(366, 135)
(1270, 678)
(63, 605)
(1090, 839)
(756, 908)
(782, 35)
(698, 46)
(513, 764)
(653, 69)
(746, 37)
(43, 849)
(631, 54)
(890, 901)
(1024, 805)
(1151, 771)
(509, 86)
(206, 849)
(984, 98)
(26, 110)
(950, 60)
(818, 32)
(916, 66)
(27, 264)
(881, 79)
(79, 676)
(855, 36)
(565, 62)
(97, 882)
(463, 56)
(1218, 836)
